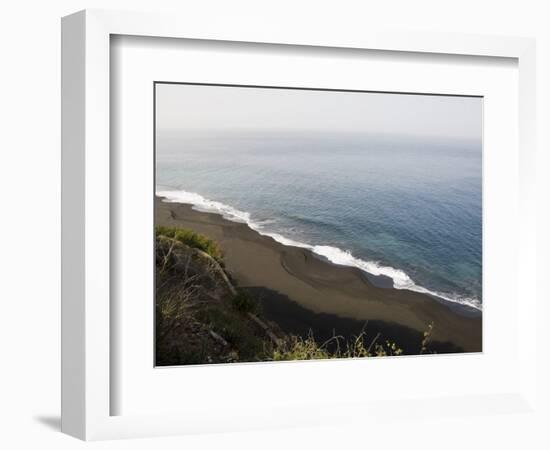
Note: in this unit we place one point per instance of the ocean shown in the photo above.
(404, 207)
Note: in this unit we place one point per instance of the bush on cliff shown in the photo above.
(192, 239)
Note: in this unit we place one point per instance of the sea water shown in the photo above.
(406, 207)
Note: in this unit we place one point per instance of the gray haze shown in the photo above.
(191, 107)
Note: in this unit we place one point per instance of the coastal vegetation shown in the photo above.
(191, 239)
(203, 316)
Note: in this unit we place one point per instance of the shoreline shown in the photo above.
(299, 288)
(380, 275)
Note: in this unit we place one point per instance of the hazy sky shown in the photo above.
(191, 107)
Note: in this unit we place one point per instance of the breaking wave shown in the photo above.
(334, 254)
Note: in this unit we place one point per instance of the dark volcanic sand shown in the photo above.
(301, 291)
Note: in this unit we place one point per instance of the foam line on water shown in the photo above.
(334, 254)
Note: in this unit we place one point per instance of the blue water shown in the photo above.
(406, 207)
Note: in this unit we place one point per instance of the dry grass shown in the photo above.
(297, 348)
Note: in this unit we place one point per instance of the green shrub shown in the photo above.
(192, 239)
(236, 330)
(244, 303)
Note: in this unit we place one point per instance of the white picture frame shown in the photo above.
(86, 247)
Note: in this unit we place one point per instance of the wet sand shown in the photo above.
(300, 290)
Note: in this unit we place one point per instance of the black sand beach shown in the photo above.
(301, 291)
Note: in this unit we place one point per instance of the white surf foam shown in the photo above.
(400, 279)
(335, 255)
(203, 204)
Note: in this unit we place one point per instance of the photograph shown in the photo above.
(308, 224)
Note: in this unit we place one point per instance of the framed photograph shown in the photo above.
(285, 211)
